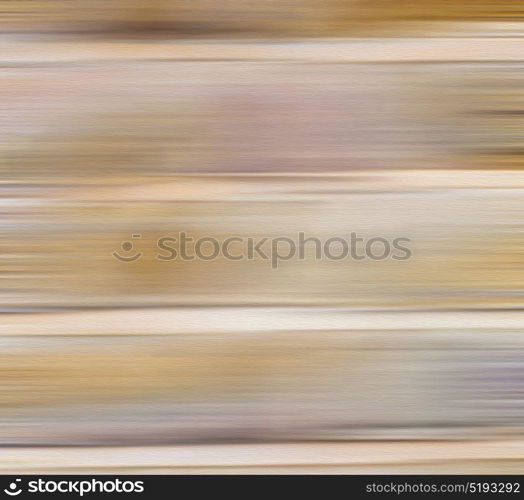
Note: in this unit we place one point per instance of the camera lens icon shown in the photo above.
(126, 248)
(13, 489)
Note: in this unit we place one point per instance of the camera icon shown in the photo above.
(127, 247)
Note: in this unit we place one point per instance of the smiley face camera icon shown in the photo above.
(13, 489)
(127, 249)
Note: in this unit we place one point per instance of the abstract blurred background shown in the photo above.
(261, 118)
